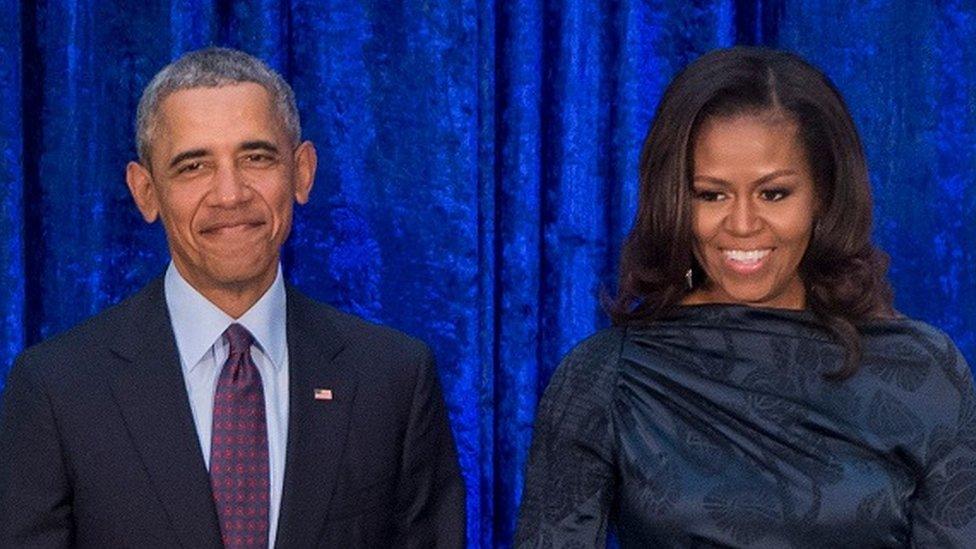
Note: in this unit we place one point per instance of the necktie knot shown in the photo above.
(238, 338)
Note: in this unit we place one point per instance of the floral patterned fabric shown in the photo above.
(716, 427)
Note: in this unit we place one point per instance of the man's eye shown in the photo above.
(774, 195)
(259, 158)
(190, 167)
(709, 196)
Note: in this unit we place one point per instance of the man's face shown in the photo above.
(223, 178)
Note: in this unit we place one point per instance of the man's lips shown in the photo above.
(231, 227)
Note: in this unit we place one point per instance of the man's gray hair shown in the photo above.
(213, 68)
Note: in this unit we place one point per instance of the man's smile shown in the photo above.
(231, 227)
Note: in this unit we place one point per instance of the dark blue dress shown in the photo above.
(716, 428)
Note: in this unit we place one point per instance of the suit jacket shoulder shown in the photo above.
(392, 470)
(383, 351)
(96, 429)
(77, 354)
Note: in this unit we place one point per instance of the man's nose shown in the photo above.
(230, 188)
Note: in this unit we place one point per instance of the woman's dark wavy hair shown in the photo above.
(843, 273)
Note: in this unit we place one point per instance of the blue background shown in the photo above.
(477, 166)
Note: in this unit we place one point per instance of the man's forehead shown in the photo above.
(203, 102)
(226, 115)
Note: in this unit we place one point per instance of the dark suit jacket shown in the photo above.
(98, 446)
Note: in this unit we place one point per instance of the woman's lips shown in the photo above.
(745, 262)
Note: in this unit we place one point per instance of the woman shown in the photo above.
(758, 389)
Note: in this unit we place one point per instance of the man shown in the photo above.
(220, 406)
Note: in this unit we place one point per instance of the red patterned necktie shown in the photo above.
(239, 447)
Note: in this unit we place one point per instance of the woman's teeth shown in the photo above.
(746, 256)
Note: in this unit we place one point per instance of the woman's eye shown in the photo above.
(774, 195)
(709, 196)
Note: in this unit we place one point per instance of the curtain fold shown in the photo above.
(477, 167)
(12, 251)
(518, 195)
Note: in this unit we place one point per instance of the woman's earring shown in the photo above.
(690, 279)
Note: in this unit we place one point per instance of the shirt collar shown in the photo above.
(198, 323)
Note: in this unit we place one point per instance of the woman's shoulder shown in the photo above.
(905, 341)
(597, 348)
(591, 364)
(917, 376)
(903, 326)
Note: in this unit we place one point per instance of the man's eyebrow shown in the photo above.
(186, 155)
(259, 145)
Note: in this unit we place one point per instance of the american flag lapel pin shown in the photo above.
(323, 394)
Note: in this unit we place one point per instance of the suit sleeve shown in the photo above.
(944, 506)
(570, 478)
(430, 494)
(35, 493)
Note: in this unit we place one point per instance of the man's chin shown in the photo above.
(244, 279)
(237, 276)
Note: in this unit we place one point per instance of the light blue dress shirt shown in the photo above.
(199, 325)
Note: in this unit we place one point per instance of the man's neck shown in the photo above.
(234, 298)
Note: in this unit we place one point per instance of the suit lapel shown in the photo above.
(317, 429)
(151, 393)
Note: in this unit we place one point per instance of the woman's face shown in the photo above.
(752, 211)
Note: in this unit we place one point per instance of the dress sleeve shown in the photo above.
(570, 477)
(944, 507)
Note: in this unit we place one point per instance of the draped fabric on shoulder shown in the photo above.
(717, 426)
(569, 485)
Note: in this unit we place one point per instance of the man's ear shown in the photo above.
(139, 180)
(306, 160)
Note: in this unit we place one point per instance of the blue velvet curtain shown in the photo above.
(477, 166)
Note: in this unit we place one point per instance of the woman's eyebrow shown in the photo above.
(768, 177)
